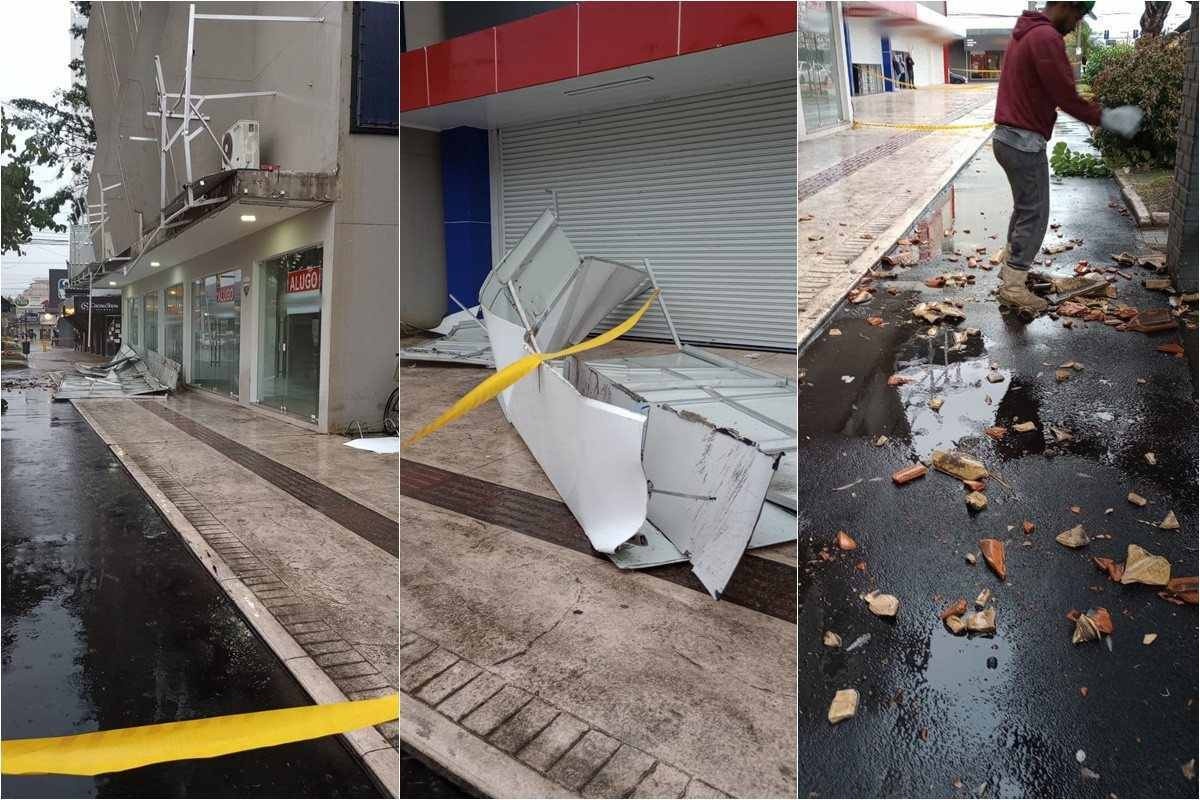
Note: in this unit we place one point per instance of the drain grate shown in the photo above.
(758, 583)
(376, 528)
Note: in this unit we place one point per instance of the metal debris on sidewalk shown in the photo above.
(1149, 638)
(831, 639)
(682, 457)
(128, 374)
(1136, 499)
(1170, 522)
(464, 340)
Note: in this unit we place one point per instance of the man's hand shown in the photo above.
(1123, 121)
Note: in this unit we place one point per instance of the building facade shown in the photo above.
(662, 131)
(258, 246)
(850, 49)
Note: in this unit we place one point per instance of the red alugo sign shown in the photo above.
(304, 280)
(226, 294)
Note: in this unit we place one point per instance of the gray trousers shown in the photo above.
(1029, 178)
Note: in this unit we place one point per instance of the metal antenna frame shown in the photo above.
(189, 114)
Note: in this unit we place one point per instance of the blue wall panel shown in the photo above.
(467, 213)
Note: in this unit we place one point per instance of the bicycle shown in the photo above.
(391, 409)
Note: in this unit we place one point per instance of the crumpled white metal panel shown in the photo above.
(563, 296)
(590, 451)
(707, 490)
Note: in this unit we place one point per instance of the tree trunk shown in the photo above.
(1153, 17)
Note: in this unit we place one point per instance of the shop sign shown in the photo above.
(100, 305)
(307, 279)
(227, 294)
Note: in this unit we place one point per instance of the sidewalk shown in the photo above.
(299, 530)
(1023, 713)
(860, 189)
(531, 667)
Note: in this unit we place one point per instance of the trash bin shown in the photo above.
(25, 347)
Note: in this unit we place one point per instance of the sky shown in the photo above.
(1116, 16)
(35, 48)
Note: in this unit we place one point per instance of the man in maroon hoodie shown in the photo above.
(1035, 80)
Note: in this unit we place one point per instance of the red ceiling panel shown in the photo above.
(538, 49)
(707, 25)
(613, 35)
(462, 67)
(413, 81)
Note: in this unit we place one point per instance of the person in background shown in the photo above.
(909, 64)
(1036, 80)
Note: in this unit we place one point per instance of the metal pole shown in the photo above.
(187, 101)
(90, 274)
(662, 304)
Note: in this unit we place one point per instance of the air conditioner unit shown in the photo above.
(240, 144)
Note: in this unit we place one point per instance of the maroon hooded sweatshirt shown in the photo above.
(1036, 77)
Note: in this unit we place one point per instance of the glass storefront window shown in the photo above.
(817, 78)
(217, 332)
(173, 323)
(150, 321)
(135, 321)
(289, 369)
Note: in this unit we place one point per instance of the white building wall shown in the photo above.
(865, 41)
(926, 53)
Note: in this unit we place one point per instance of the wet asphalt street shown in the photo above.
(109, 622)
(935, 718)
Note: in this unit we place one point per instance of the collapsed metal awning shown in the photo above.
(464, 340)
(127, 374)
(685, 456)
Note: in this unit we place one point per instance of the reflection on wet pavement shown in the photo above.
(937, 717)
(109, 622)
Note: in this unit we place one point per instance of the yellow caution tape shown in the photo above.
(501, 380)
(127, 748)
(916, 127)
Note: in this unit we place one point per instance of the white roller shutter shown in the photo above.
(704, 187)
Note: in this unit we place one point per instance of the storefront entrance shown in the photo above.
(818, 83)
(289, 372)
(217, 332)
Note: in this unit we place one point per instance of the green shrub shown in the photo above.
(1150, 76)
(1101, 57)
(1064, 162)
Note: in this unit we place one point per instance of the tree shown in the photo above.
(59, 134)
(24, 211)
(1154, 17)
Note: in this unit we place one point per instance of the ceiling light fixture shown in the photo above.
(155, 264)
(600, 87)
(248, 218)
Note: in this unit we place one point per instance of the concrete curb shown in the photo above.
(484, 768)
(1143, 217)
(381, 761)
(833, 296)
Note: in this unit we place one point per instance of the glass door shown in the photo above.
(289, 367)
(816, 64)
(173, 323)
(217, 332)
